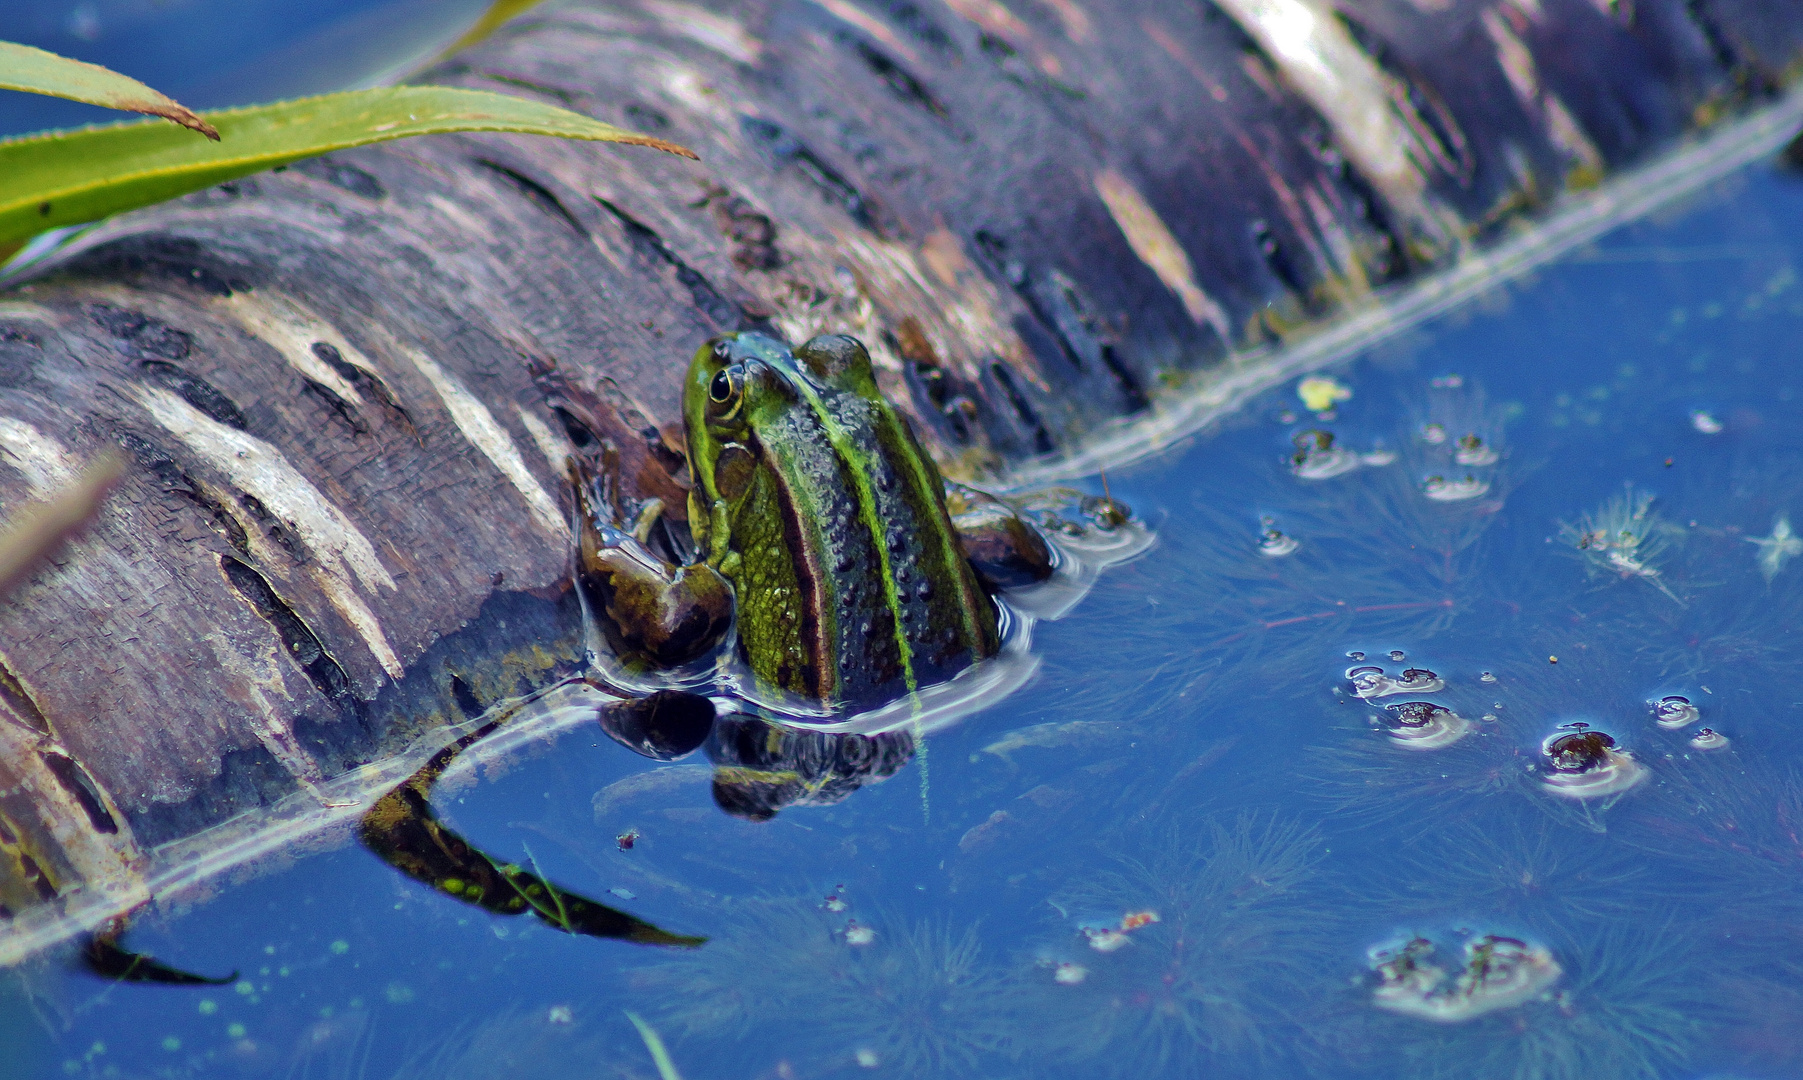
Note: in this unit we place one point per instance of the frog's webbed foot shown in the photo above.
(104, 956)
(1006, 550)
(650, 610)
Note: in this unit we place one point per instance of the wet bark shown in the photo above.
(347, 388)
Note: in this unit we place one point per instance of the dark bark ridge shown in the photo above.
(347, 386)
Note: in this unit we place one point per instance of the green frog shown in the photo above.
(820, 525)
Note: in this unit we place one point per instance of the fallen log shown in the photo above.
(347, 389)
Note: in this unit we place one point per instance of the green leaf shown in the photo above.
(499, 12)
(35, 71)
(69, 177)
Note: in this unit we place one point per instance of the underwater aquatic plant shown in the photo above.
(1201, 950)
(1623, 539)
(915, 998)
(1524, 867)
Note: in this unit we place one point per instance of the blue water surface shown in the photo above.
(1187, 847)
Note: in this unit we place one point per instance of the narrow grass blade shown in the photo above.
(69, 177)
(35, 530)
(666, 1069)
(35, 71)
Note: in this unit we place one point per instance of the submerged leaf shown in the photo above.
(70, 177)
(35, 71)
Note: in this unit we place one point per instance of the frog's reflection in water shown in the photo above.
(759, 768)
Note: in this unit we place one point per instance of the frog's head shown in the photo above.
(813, 498)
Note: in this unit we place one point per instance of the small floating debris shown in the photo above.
(1109, 938)
(1317, 458)
(1673, 711)
(1704, 422)
(1622, 537)
(1321, 394)
(1472, 452)
(627, 840)
(1398, 656)
(1440, 489)
(857, 933)
(1498, 973)
(1778, 548)
(1584, 764)
(1433, 434)
(1487, 676)
(1422, 725)
(1274, 544)
(1369, 681)
(1708, 739)
(1066, 973)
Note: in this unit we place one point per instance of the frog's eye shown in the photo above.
(720, 390)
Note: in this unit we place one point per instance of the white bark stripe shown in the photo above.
(291, 329)
(1151, 240)
(481, 428)
(260, 469)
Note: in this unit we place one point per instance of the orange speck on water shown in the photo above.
(1133, 920)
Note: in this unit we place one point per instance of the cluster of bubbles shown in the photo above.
(1413, 725)
(1675, 712)
(1497, 973)
(1315, 457)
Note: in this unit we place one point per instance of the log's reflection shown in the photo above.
(404, 832)
(103, 955)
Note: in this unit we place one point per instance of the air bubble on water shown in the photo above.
(1433, 434)
(1583, 763)
(1398, 655)
(1708, 739)
(1473, 453)
(1355, 655)
(1497, 973)
(1420, 681)
(1274, 544)
(1440, 489)
(1673, 712)
(1704, 422)
(1422, 725)
(1487, 677)
(1378, 458)
(1317, 458)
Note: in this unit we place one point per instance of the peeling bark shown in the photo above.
(347, 387)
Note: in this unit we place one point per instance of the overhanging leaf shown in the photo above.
(69, 177)
(35, 71)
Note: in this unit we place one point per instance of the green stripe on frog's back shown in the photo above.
(936, 629)
(964, 605)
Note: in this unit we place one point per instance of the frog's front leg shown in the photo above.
(1005, 549)
(1006, 543)
(651, 611)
